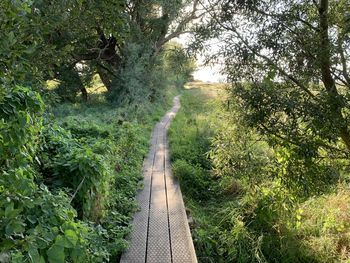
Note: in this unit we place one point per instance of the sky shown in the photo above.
(208, 74)
(204, 73)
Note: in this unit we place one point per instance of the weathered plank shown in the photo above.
(158, 247)
(160, 229)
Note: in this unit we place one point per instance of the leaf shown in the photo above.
(17, 257)
(30, 50)
(69, 240)
(34, 255)
(10, 212)
(15, 227)
(9, 209)
(71, 236)
(56, 254)
(11, 38)
(77, 255)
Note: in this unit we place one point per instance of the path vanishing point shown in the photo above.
(161, 233)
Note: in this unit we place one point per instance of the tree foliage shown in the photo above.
(66, 194)
(289, 62)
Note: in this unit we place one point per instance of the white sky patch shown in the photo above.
(209, 73)
(205, 73)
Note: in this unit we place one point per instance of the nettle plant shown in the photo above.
(36, 225)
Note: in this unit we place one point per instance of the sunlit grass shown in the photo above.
(240, 219)
(325, 225)
(96, 86)
(52, 84)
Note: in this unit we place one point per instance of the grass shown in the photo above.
(240, 212)
(325, 225)
(121, 136)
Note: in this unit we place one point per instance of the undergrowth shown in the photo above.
(69, 176)
(242, 209)
(117, 139)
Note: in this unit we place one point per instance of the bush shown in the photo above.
(68, 164)
(38, 226)
(20, 123)
(269, 204)
(94, 168)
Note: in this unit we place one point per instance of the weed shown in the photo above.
(243, 209)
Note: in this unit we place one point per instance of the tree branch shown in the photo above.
(272, 63)
(296, 17)
(343, 61)
(179, 30)
(107, 69)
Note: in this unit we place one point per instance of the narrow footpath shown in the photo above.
(160, 229)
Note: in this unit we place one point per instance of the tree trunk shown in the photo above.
(105, 79)
(327, 79)
(84, 94)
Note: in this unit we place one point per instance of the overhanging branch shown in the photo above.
(180, 29)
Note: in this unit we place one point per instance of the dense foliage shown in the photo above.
(256, 169)
(288, 63)
(235, 190)
(279, 156)
(69, 164)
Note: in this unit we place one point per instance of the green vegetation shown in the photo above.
(244, 208)
(290, 71)
(76, 112)
(278, 143)
(69, 178)
(264, 166)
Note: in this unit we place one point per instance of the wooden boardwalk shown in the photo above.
(160, 229)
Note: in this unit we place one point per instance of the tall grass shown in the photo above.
(242, 211)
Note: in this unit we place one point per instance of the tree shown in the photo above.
(289, 62)
(178, 63)
(90, 33)
(151, 24)
(295, 55)
(108, 35)
(52, 183)
(65, 32)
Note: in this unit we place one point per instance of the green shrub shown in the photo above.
(68, 164)
(260, 209)
(304, 175)
(131, 87)
(38, 226)
(20, 123)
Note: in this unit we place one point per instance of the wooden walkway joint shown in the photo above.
(160, 228)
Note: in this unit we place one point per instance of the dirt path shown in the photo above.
(160, 229)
